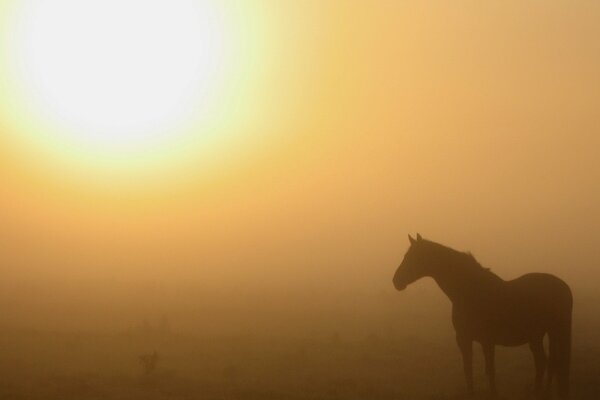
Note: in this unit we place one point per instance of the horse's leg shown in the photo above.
(550, 367)
(490, 368)
(466, 348)
(539, 356)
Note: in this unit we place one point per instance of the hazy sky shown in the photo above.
(473, 123)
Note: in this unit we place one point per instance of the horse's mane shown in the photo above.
(471, 262)
(464, 260)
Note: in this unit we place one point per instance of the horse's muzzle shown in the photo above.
(399, 286)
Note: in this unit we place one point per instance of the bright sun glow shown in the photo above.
(119, 75)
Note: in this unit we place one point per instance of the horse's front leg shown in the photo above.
(490, 368)
(465, 344)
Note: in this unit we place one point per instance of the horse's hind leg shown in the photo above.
(539, 357)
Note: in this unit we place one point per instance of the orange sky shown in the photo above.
(473, 123)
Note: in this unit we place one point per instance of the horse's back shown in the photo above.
(513, 312)
(542, 300)
(543, 291)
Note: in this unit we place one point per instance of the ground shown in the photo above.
(84, 366)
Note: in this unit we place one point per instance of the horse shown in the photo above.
(492, 311)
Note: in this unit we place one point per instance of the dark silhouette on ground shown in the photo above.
(149, 362)
(492, 311)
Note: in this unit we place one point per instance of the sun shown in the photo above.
(119, 76)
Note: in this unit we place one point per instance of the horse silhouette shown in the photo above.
(492, 311)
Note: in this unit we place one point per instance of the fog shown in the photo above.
(476, 126)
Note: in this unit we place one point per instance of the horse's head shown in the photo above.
(415, 265)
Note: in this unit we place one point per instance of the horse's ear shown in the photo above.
(411, 239)
(419, 237)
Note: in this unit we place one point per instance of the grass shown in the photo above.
(78, 366)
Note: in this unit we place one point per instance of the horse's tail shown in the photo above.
(560, 355)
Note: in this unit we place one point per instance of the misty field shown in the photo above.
(414, 359)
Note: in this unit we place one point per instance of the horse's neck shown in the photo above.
(460, 285)
(451, 287)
